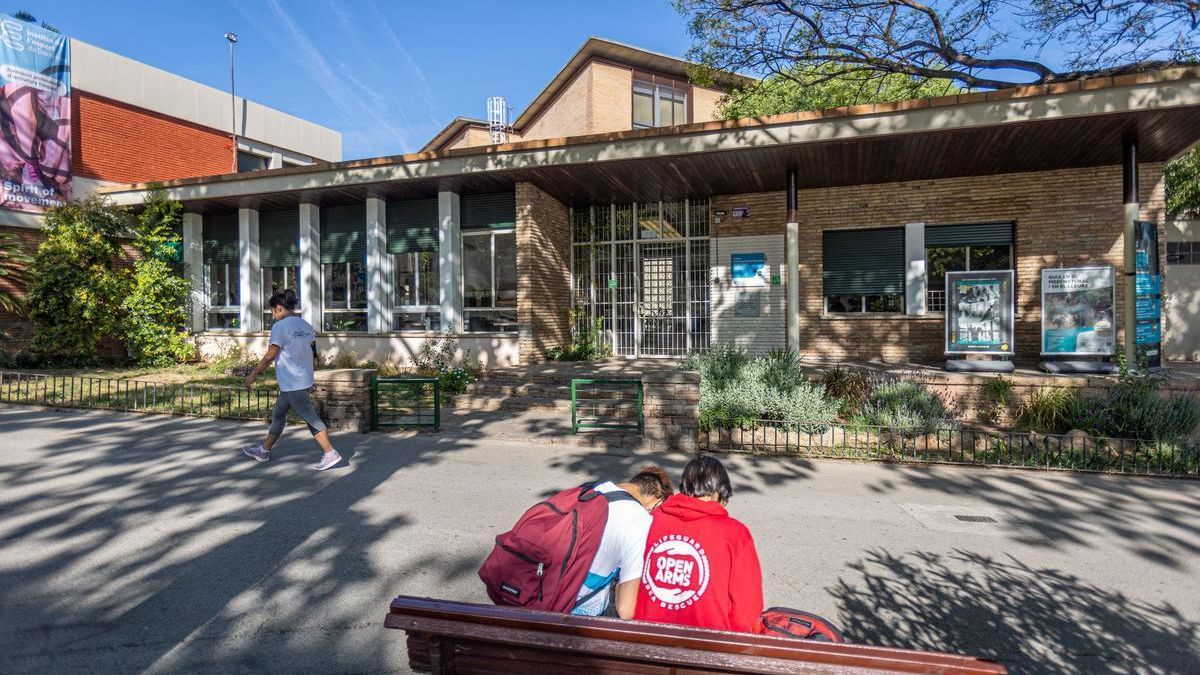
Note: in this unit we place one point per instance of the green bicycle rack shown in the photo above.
(615, 400)
(406, 403)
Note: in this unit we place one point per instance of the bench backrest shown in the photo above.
(459, 637)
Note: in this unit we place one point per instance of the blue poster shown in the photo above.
(749, 269)
(35, 127)
(1148, 307)
(1148, 284)
(1148, 333)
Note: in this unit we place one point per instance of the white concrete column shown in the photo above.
(450, 260)
(249, 272)
(792, 274)
(193, 265)
(916, 279)
(310, 264)
(379, 279)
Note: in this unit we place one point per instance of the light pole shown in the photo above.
(232, 38)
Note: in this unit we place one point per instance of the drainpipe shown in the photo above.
(1129, 175)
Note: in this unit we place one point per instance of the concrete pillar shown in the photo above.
(916, 279)
(379, 277)
(792, 274)
(193, 265)
(450, 260)
(1129, 171)
(249, 272)
(310, 264)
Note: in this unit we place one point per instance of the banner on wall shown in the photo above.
(1148, 290)
(979, 312)
(748, 269)
(35, 116)
(1078, 311)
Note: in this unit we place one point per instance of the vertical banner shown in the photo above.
(1148, 286)
(1078, 310)
(35, 116)
(979, 312)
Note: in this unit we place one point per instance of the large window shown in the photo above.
(863, 271)
(249, 161)
(658, 105)
(221, 280)
(279, 255)
(490, 280)
(963, 248)
(274, 280)
(344, 267)
(412, 240)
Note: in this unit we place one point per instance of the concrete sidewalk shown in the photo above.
(135, 543)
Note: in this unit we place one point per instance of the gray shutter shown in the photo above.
(343, 234)
(863, 262)
(489, 212)
(221, 238)
(279, 238)
(412, 226)
(979, 234)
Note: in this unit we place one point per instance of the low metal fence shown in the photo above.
(82, 391)
(960, 445)
(406, 402)
(607, 404)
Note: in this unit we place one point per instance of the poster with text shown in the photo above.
(35, 116)
(1078, 305)
(1148, 295)
(748, 269)
(979, 312)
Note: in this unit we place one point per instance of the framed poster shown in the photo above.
(979, 312)
(1078, 311)
(748, 269)
(1148, 290)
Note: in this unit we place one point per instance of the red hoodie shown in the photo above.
(701, 568)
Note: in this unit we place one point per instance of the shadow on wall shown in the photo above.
(1030, 619)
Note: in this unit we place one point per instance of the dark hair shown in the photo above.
(652, 481)
(706, 476)
(286, 299)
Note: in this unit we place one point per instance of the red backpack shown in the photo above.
(542, 562)
(794, 623)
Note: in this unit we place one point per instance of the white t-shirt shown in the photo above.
(294, 365)
(621, 553)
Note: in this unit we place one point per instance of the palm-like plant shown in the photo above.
(14, 263)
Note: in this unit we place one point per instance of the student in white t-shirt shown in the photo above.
(291, 348)
(611, 587)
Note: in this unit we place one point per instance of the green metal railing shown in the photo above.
(607, 404)
(81, 391)
(406, 402)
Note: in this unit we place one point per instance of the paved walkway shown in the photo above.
(132, 543)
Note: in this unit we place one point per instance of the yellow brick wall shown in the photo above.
(569, 114)
(704, 104)
(612, 98)
(543, 272)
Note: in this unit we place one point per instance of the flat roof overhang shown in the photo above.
(1070, 125)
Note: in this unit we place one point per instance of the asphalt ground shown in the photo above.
(136, 543)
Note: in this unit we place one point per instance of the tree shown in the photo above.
(13, 272)
(155, 310)
(973, 43)
(77, 282)
(1182, 177)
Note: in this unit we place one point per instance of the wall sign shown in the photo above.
(979, 312)
(748, 303)
(741, 212)
(1148, 289)
(1078, 311)
(749, 269)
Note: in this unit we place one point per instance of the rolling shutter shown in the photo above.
(863, 262)
(489, 212)
(412, 226)
(343, 234)
(981, 234)
(279, 238)
(221, 238)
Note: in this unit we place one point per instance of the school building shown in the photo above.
(617, 196)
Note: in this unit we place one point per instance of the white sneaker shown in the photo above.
(328, 460)
(257, 452)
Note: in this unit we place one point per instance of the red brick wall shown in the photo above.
(118, 142)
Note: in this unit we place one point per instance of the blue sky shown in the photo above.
(387, 74)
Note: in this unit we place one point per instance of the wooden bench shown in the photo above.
(459, 637)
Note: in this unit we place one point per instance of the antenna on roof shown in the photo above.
(497, 117)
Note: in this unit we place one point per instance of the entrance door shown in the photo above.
(662, 306)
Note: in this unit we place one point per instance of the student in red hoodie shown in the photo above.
(701, 567)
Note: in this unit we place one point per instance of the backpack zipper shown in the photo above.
(541, 571)
(574, 534)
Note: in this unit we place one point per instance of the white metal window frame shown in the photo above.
(934, 297)
(862, 300)
(350, 308)
(290, 274)
(657, 93)
(491, 234)
(226, 307)
(424, 305)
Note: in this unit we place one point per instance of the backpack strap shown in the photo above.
(588, 492)
(619, 496)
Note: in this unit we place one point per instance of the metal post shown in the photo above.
(232, 38)
(1129, 169)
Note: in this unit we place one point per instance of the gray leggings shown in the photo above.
(298, 401)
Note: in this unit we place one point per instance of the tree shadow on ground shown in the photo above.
(1034, 620)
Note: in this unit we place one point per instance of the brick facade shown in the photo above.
(113, 141)
(543, 272)
(1062, 218)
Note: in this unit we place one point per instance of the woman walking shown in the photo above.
(291, 348)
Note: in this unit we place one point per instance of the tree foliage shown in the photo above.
(154, 313)
(77, 282)
(1183, 183)
(13, 272)
(974, 43)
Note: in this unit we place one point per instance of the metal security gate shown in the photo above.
(642, 270)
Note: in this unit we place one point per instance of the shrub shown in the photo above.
(587, 343)
(1131, 408)
(720, 365)
(905, 406)
(850, 387)
(14, 272)
(438, 358)
(997, 399)
(155, 310)
(1050, 410)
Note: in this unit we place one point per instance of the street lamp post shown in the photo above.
(232, 38)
